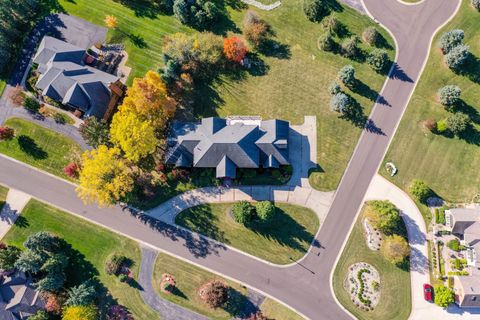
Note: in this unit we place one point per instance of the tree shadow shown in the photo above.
(79, 268)
(224, 24)
(237, 304)
(201, 219)
(472, 69)
(179, 293)
(383, 43)
(371, 127)
(30, 147)
(273, 48)
(207, 100)
(354, 114)
(147, 8)
(134, 284)
(398, 73)
(364, 90)
(469, 110)
(22, 222)
(138, 41)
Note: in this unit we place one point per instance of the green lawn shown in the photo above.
(94, 244)
(3, 84)
(395, 299)
(292, 87)
(3, 196)
(277, 311)
(40, 147)
(287, 237)
(189, 279)
(448, 165)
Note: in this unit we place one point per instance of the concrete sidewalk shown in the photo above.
(16, 201)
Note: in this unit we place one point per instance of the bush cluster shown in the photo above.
(458, 123)
(420, 190)
(346, 75)
(315, 10)
(6, 133)
(449, 95)
(371, 36)
(366, 302)
(31, 104)
(340, 102)
(378, 60)
(349, 47)
(450, 40)
(244, 212)
(200, 14)
(114, 264)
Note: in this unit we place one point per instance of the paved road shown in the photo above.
(305, 286)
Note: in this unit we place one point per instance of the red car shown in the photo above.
(428, 292)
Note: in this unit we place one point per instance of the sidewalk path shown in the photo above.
(15, 202)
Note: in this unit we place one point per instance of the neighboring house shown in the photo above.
(228, 144)
(18, 297)
(465, 223)
(64, 77)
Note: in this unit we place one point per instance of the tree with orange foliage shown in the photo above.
(234, 49)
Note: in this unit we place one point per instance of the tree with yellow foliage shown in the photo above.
(133, 135)
(105, 177)
(111, 21)
(80, 313)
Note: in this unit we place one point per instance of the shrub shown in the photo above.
(378, 59)
(395, 249)
(17, 96)
(243, 212)
(450, 40)
(114, 264)
(384, 216)
(444, 296)
(457, 57)
(118, 312)
(449, 95)
(430, 124)
(315, 10)
(31, 104)
(80, 313)
(346, 75)
(122, 277)
(325, 42)
(8, 257)
(458, 123)
(332, 25)
(340, 102)
(349, 47)
(60, 118)
(265, 210)
(6, 133)
(476, 4)
(334, 88)
(53, 302)
(371, 36)
(256, 30)
(214, 293)
(454, 244)
(81, 295)
(39, 315)
(72, 170)
(441, 126)
(420, 190)
(234, 49)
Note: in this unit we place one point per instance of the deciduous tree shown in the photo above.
(256, 31)
(420, 190)
(214, 293)
(458, 123)
(8, 257)
(444, 296)
(234, 49)
(95, 132)
(111, 21)
(265, 210)
(384, 216)
(80, 313)
(395, 249)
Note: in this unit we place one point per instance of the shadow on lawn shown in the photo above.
(146, 8)
(30, 147)
(202, 219)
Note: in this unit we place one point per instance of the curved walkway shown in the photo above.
(259, 5)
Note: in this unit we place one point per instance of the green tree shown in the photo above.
(371, 36)
(315, 10)
(420, 190)
(8, 257)
(395, 249)
(31, 104)
(454, 244)
(265, 210)
(449, 95)
(200, 14)
(51, 283)
(80, 313)
(349, 47)
(326, 42)
(30, 261)
(346, 75)
(39, 315)
(81, 295)
(450, 40)
(42, 242)
(332, 25)
(334, 88)
(384, 216)
(378, 60)
(95, 132)
(340, 102)
(458, 123)
(256, 31)
(457, 58)
(243, 212)
(444, 296)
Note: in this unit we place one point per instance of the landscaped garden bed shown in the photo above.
(363, 284)
(285, 238)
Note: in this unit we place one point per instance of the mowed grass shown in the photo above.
(274, 310)
(294, 85)
(3, 84)
(448, 165)
(40, 147)
(189, 279)
(286, 238)
(3, 196)
(395, 299)
(93, 242)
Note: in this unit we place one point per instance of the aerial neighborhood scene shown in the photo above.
(239, 159)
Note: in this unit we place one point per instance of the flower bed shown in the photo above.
(363, 284)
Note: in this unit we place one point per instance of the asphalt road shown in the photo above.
(305, 286)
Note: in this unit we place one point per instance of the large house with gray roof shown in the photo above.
(228, 144)
(64, 77)
(18, 297)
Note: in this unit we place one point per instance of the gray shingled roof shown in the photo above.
(65, 78)
(215, 144)
(18, 296)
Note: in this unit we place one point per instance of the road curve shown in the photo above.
(305, 286)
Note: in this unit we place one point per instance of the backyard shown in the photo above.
(286, 238)
(395, 299)
(295, 79)
(447, 164)
(40, 147)
(93, 245)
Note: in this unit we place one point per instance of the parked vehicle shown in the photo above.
(428, 292)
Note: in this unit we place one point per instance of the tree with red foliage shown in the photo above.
(53, 303)
(234, 49)
(72, 170)
(6, 133)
